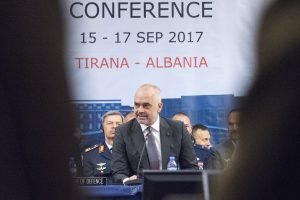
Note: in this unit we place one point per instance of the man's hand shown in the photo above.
(134, 177)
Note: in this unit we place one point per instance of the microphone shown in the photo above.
(139, 180)
(141, 156)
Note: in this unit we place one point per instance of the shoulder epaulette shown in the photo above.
(91, 148)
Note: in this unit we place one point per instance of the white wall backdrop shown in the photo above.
(225, 49)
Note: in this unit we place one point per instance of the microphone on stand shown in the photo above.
(141, 156)
(139, 179)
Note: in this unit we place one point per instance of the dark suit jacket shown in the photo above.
(225, 151)
(129, 142)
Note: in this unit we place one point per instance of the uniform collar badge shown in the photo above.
(101, 148)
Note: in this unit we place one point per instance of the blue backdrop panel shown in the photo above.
(210, 110)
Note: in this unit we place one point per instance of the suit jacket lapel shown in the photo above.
(139, 141)
(166, 145)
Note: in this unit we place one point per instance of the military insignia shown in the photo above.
(101, 167)
(91, 148)
(101, 148)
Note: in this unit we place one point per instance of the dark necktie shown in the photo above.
(152, 150)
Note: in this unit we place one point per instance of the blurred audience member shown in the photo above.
(227, 148)
(36, 117)
(180, 116)
(202, 143)
(266, 164)
(75, 154)
(129, 116)
(97, 159)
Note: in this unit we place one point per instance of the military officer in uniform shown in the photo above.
(97, 158)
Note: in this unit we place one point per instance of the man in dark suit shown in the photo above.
(170, 139)
(226, 149)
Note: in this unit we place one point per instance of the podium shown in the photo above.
(159, 184)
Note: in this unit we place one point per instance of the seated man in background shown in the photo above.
(129, 116)
(180, 116)
(208, 157)
(226, 149)
(202, 144)
(97, 159)
(167, 138)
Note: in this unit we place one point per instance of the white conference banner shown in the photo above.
(185, 47)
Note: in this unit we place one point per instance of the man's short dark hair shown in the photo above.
(199, 127)
(234, 110)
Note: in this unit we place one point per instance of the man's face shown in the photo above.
(146, 106)
(233, 125)
(186, 121)
(110, 124)
(202, 137)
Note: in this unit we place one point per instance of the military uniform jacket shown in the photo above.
(97, 161)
